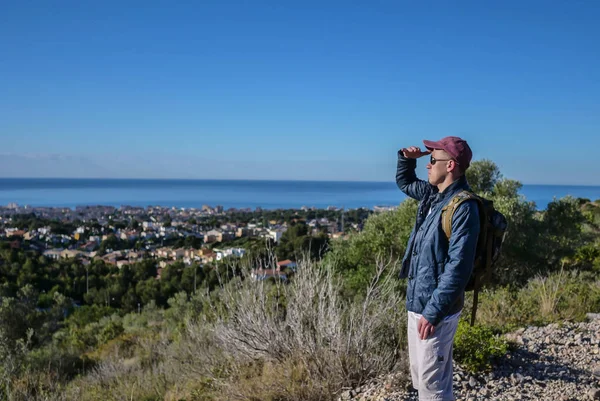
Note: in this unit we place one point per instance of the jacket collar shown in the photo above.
(454, 188)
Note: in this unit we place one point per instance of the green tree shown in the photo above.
(562, 222)
(383, 238)
(507, 188)
(483, 175)
(192, 277)
(297, 242)
(148, 291)
(111, 242)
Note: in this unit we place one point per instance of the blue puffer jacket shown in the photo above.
(438, 270)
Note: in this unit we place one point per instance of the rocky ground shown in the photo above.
(559, 362)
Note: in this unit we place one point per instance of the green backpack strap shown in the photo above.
(450, 208)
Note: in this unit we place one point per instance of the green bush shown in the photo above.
(502, 309)
(476, 347)
(384, 237)
(564, 296)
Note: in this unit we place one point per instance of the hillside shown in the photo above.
(558, 362)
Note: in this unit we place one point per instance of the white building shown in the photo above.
(53, 253)
(276, 234)
(238, 252)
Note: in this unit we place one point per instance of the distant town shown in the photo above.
(126, 235)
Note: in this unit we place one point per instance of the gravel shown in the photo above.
(558, 362)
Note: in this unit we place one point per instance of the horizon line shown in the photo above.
(248, 179)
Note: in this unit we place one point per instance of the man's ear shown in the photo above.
(451, 167)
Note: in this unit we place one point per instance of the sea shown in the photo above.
(238, 194)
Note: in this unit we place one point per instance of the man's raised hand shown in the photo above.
(414, 152)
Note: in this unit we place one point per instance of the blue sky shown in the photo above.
(297, 90)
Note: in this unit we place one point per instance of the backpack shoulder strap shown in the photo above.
(450, 208)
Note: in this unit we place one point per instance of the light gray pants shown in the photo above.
(431, 359)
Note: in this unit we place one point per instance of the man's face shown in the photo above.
(437, 172)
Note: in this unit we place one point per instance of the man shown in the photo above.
(437, 269)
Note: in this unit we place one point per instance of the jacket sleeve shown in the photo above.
(407, 180)
(459, 265)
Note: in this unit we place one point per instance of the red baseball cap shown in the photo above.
(456, 147)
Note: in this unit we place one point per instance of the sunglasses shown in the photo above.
(433, 160)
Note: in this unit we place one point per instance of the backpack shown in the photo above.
(491, 235)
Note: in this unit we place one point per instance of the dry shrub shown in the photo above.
(37, 386)
(306, 336)
(161, 369)
(562, 295)
(264, 341)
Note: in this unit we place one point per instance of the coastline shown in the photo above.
(238, 194)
